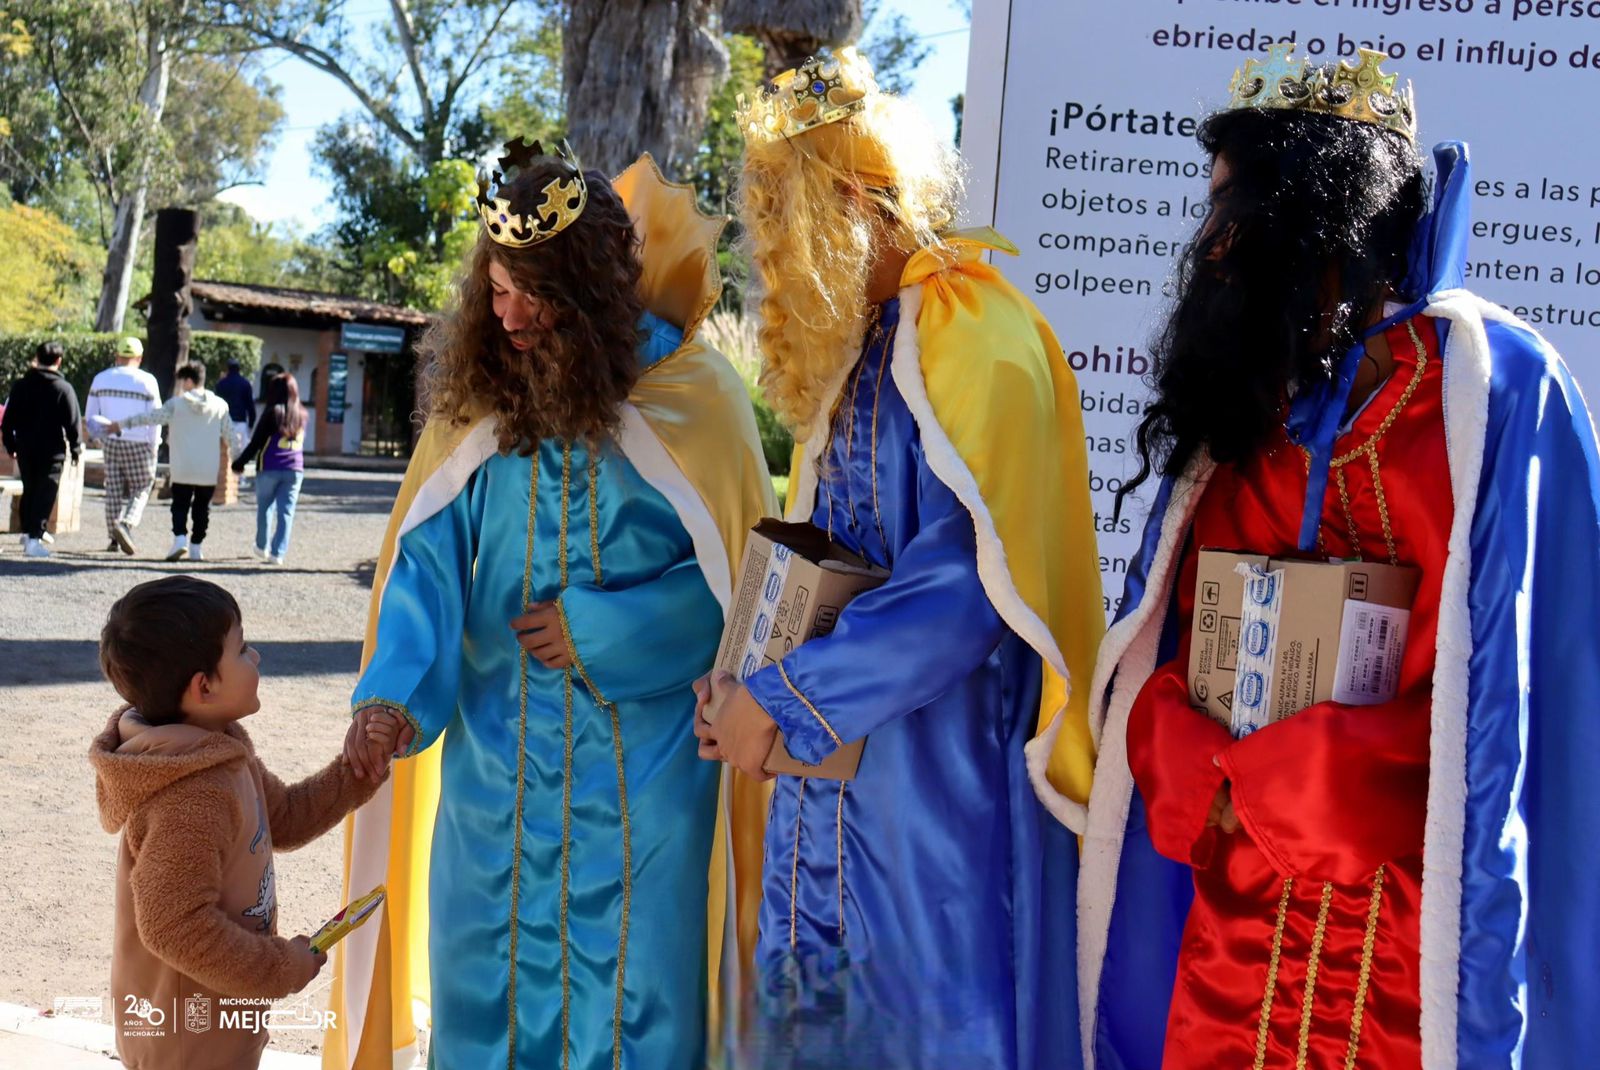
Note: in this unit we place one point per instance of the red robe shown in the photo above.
(1301, 948)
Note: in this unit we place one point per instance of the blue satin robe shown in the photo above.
(903, 919)
(645, 625)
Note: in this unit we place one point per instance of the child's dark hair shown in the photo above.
(158, 635)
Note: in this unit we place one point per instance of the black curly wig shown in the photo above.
(1310, 227)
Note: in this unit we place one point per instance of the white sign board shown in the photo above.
(1079, 131)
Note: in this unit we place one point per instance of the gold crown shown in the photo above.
(820, 91)
(1362, 93)
(564, 197)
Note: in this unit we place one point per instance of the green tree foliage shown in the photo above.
(235, 248)
(50, 274)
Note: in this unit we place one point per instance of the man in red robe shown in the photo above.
(1355, 885)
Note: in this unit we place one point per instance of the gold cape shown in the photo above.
(999, 415)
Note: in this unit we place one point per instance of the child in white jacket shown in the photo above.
(197, 424)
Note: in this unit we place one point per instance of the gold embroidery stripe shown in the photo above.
(877, 515)
(1349, 516)
(566, 779)
(838, 833)
(522, 776)
(784, 675)
(566, 872)
(1367, 942)
(1313, 964)
(1272, 976)
(1383, 508)
(794, 866)
(627, 883)
(627, 831)
(594, 517)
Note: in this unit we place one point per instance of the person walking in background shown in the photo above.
(278, 448)
(197, 420)
(118, 393)
(235, 389)
(40, 428)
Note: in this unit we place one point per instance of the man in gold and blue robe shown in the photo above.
(918, 916)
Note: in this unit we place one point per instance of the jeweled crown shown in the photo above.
(1362, 93)
(565, 196)
(820, 91)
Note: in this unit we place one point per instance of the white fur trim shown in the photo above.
(1128, 656)
(1466, 407)
(646, 453)
(946, 464)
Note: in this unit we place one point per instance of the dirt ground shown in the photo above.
(56, 863)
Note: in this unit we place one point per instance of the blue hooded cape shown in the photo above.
(1511, 892)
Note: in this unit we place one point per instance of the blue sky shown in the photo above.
(296, 195)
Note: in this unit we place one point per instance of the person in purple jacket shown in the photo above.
(278, 446)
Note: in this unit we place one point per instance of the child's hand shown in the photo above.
(307, 963)
(383, 738)
(368, 756)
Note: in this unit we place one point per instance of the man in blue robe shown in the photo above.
(555, 577)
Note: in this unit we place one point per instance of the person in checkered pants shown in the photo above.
(116, 395)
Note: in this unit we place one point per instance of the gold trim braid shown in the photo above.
(1313, 964)
(1272, 976)
(1367, 942)
(566, 781)
(794, 866)
(784, 675)
(838, 841)
(522, 769)
(594, 518)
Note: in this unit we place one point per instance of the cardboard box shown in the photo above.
(792, 585)
(1273, 636)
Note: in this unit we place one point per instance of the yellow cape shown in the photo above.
(999, 415)
(695, 405)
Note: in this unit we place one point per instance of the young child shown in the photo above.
(196, 909)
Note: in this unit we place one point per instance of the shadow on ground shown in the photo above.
(77, 661)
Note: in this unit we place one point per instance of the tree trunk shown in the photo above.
(124, 250)
(639, 75)
(791, 31)
(177, 237)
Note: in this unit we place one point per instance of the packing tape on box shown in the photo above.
(1259, 617)
(766, 614)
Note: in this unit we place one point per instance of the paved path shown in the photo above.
(56, 864)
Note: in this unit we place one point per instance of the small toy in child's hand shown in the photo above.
(348, 920)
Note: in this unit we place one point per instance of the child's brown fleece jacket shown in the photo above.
(196, 909)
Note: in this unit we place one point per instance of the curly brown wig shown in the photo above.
(571, 384)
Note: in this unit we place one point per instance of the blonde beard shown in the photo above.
(813, 255)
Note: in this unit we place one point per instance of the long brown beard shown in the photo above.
(560, 393)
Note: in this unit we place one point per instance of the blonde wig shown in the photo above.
(815, 209)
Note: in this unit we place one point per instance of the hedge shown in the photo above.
(88, 353)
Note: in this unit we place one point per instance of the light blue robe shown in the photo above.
(567, 889)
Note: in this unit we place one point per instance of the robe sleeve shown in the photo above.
(416, 662)
(1335, 791)
(651, 638)
(1173, 750)
(896, 648)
